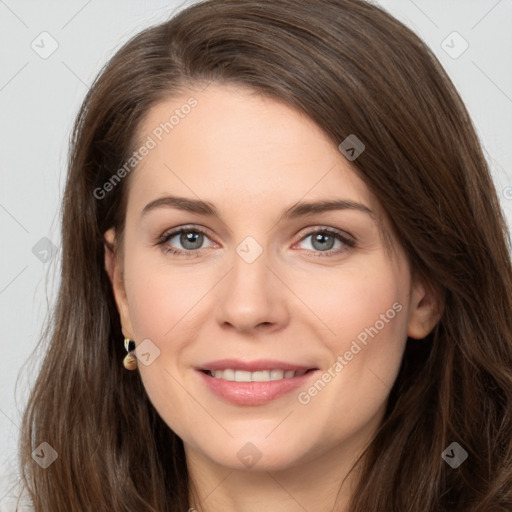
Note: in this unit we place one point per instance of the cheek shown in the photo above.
(365, 318)
(158, 296)
(160, 300)
(349, 303)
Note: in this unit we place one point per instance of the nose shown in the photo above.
(252, 299)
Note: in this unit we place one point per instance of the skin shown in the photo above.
(252, 157)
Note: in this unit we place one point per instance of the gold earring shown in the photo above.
(130, 361)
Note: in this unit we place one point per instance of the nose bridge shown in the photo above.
(250, 293)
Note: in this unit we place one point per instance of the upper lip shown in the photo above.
(253, 366)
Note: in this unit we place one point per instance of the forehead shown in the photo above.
(237, 148)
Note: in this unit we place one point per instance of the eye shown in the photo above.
(190, 239)
(323, 242)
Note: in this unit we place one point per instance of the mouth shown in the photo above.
(235, 375)
(253, 383)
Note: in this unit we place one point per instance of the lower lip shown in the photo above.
(253, 393)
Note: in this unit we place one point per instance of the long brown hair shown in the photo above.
(353, 69)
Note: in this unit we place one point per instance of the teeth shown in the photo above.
(276, 374)
(259, 376)
(242, 376)
(226, 374)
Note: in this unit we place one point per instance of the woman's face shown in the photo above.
(300, 311)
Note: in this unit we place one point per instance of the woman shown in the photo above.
(282, 211)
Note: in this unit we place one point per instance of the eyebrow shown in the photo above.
(299, 209)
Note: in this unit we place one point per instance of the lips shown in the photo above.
(253, 382)
(253, 366)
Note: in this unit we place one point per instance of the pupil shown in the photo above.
(320, 237)
(191, 237)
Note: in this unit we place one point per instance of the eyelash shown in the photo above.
(162, 241)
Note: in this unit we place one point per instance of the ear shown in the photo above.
(113, 266)
(425, 310)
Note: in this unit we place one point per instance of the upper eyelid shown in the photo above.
(171, 233)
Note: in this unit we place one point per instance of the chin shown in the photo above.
(257, 453)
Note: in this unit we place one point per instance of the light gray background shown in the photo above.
(40, 97)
